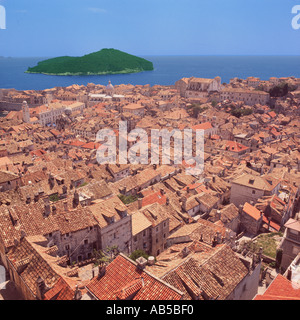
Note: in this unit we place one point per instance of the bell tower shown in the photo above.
(26, 114)
(110, 89)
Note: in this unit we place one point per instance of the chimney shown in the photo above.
(232, 241)
(36, 197)
(214, 179)
(141, 263)
(51, 181)
(214, 242)
(47, 209)
(77, 294)
(289, 274)
(140, 203)
(65, 205)
(241, 209)
(218, 215)
(53, 210)
(188, 189)
(184, 203)
(23, 234)
(40, 288)
(75, 199)
(28, 199)
(218, 237)
(101, 270)
(185, 252)
(65, 189)
(151, 261)
(167, 201)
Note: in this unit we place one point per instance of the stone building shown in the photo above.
(197, 87)
(250, 188)
(249, 97)
(157, 232)
(114, 224)
(290, 243)
(250, 218)
(9, 181)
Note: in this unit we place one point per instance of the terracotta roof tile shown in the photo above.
(123, 279)
(251, 211)
(280, 289)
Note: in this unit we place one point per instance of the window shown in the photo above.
(295, 250)
(253, 191)
(157, 229)
(164, 235)
(144, 233)
(86, 241)
(135, 239)
(67, 247)
(156, 240)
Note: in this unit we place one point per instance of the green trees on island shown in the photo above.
(106, 61)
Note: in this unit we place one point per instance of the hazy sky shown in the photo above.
(41, 28)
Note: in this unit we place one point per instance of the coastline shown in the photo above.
(126, 71)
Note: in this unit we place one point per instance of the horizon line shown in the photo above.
(175, 55)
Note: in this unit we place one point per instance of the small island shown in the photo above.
(105, 61)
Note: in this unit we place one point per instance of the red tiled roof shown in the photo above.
(202, 126)
(91, 145)
(272, 114)
(235, 146)
(75, 143)
(38, 152)
(193, 186)
(280, 289)
(55, 132)
(122, 279)
(272, 224)
(251, 211)
(156, 197)
(60, 291)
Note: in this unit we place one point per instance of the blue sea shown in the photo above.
(167, 70)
